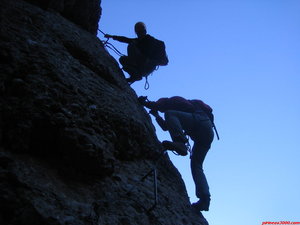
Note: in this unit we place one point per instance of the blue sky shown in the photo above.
(242, 58)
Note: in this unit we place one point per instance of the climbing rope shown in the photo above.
(109, 45)
(101, 31)
(147, 85)
(113, 48)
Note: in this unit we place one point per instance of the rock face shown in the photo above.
(74, 142)
(82, 12)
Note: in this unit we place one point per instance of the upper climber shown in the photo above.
(145, 53)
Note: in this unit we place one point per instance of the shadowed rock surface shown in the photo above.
(83, 13)
(74, 141)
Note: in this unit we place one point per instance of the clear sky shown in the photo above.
(242, 57)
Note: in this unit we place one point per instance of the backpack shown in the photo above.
(155, 49)
(159, 52)
(198, 104)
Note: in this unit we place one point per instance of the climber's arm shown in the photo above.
(120, 38)
(160, 105)
(161, 122)
(154, 107)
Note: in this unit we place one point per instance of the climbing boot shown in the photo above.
(180, 138)
(178, 147)
(201, 205)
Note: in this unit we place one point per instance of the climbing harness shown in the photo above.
(187, 144)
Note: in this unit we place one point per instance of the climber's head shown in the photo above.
(140, 29)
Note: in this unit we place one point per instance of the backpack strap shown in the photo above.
(216, 131)
(208, 111)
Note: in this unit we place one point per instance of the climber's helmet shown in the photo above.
(140, 29)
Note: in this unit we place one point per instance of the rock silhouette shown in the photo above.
(74, 141)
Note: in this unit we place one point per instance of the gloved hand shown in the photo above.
(108, 36)
(142, 100)
(154, 113)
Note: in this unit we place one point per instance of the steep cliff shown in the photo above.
(74, 142)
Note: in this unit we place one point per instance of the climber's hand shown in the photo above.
(142, 100)
(108, 36)
(154, 113)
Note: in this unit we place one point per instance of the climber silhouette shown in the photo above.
(145, 53)
(195, 118)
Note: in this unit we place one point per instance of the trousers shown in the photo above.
(200, 129)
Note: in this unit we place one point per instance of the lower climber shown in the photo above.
(194, 118)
